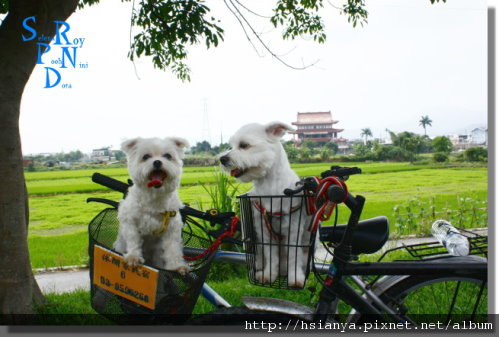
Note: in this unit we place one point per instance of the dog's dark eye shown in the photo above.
(167, 156)
(244, 146)
(145, 157)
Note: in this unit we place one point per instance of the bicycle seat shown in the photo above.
(369, 235)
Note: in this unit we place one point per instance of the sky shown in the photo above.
(410, 60)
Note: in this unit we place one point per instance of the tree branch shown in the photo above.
(264, 45)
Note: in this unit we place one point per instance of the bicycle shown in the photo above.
(376, 291)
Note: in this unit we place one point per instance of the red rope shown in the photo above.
(214, 246)
(265, 215)
(326, 209)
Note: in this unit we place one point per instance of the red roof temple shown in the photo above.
(316, 126)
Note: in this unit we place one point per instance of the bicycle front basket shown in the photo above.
(172, 298)
(278, 241)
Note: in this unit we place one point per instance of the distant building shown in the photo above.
(28, 162)
(316, 126)
(101, 155)
(477, 137)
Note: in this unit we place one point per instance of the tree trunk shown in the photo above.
(18, 288)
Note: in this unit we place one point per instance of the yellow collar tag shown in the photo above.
(166, 220)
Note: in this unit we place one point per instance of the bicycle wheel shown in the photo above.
(241, 315)
(434, 298)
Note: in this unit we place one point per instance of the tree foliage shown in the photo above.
(424, 122)
(332, 146)
(410, 142)
(442, 144)
(168, 27)
(366, 133)
(164, 29)
(205, 147)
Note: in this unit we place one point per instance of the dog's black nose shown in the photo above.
(224, 160)
(157, 164)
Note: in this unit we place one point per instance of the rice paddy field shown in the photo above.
(59, 213)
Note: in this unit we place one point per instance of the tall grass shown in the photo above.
(223, 193)
(415, 216)
(222, 197)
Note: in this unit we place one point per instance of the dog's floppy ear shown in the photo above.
(129, 145)
(181, 144)
(277, 129)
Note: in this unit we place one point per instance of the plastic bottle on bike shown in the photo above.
(455, 243)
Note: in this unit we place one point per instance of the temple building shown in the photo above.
(316, 126)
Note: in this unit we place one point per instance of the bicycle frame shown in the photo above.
(342, 290)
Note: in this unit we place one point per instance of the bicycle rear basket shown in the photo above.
(174, 296)
(434, 249)
(478, 246)
(277, 240)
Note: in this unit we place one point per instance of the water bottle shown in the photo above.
(455, 243)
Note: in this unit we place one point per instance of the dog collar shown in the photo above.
(166, 220)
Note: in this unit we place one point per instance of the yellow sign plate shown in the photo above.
(112, 273)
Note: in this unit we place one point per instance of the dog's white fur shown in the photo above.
(140, 213)
(257, 156)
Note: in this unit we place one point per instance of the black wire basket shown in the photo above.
(278, 240)
(174, 296)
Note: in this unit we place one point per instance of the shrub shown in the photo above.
(305, 153)
(391, 152)
(440, 157)
(325, 153)
(291, 151)
(475, 154)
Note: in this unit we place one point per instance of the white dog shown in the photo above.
(150, 223)
(258, 156)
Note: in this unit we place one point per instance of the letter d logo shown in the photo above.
(47, 78)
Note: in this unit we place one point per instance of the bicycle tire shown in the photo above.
(241, 315)
(434, 298)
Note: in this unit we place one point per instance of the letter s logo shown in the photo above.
(32, 30)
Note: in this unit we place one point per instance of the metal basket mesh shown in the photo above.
(176, 295)
(277, 240)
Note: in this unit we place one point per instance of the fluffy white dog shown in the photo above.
(150, 223)
(257, 156)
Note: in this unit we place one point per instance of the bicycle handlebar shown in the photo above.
(341, 172)
(307, 184)
(111, 183)
(336, 194)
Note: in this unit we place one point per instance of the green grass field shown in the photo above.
(59, 214)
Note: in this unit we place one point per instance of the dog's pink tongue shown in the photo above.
(154, 183)
(156, 180)
(235, 172)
